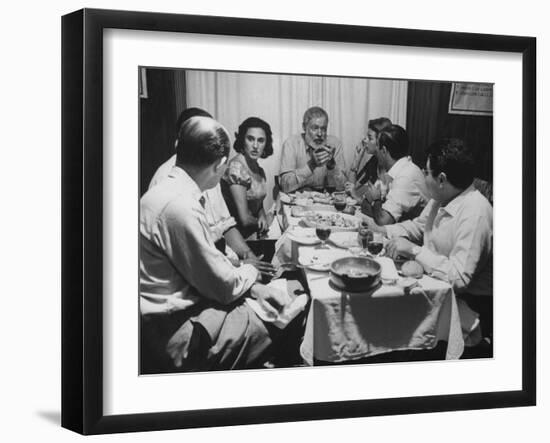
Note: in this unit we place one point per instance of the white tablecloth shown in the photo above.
(346, 326)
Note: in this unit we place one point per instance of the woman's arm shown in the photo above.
(263, 222)
(245, 218)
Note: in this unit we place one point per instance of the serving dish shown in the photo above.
(337, 221)
(355, 273)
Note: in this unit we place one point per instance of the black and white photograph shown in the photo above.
(287, 221)
(275, 221)
(293, 221)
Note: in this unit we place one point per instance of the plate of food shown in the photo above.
(320, 259)
(323, 199)
(345, 239)
(298, 211)
(303, 236)
(308, 198)
(336, 221)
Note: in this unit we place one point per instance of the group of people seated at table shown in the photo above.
(197, 270)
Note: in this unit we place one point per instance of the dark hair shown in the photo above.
(454, 158)
(187, 114)
(254, 122)
(395, 140)
(379, 124)
(313, 112)
(201, 141)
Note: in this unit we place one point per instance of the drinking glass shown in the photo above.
(323, 233)
(365, 236)
(339, 201)
(376, 244)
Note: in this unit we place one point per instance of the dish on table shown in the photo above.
(319, 259)
(297, 211)
(355, 273)
(306, 198)
(345, 239)
(316, 263)
(336, 221)
(304, 236)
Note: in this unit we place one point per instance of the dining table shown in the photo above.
(344, 325)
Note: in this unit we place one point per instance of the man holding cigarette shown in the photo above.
(312, 159)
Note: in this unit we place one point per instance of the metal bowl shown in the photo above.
(355, 273)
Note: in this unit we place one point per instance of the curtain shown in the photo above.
(282, 99)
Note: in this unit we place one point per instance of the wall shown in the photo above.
(428, 119)
(158, 123)
(31, 169)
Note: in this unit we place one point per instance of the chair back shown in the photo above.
(485, 187)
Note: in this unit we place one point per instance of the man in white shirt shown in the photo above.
(312, 159)
(191, 296)
(407, 193)
(453, 237)
(223, 226)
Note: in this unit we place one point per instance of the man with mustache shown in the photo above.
(312, 159)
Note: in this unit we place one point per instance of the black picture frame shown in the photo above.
(82, 218)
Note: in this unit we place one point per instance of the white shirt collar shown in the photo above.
(453, 206)
(186, 182)
(398, 166)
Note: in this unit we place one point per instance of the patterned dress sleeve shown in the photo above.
(236, 174)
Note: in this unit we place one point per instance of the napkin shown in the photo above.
(292, 308)
(389, 271)
(274, 231)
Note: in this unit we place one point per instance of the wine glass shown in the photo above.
(322, 230)
(364, 235)
(339, 201)
(376, 244)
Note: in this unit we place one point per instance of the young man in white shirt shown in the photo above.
(407, 193)
(453, 237)
(191, 296)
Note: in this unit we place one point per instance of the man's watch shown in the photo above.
(415, 250)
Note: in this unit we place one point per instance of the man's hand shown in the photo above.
(372, 192)
(262, 266)
(320, 157)
(399, 247)
(273, 300)
(371, 224)
(349, 187)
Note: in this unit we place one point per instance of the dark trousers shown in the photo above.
(206, 337)
(483, 305)
(216, 338)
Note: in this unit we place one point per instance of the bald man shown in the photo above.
(191, 296)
